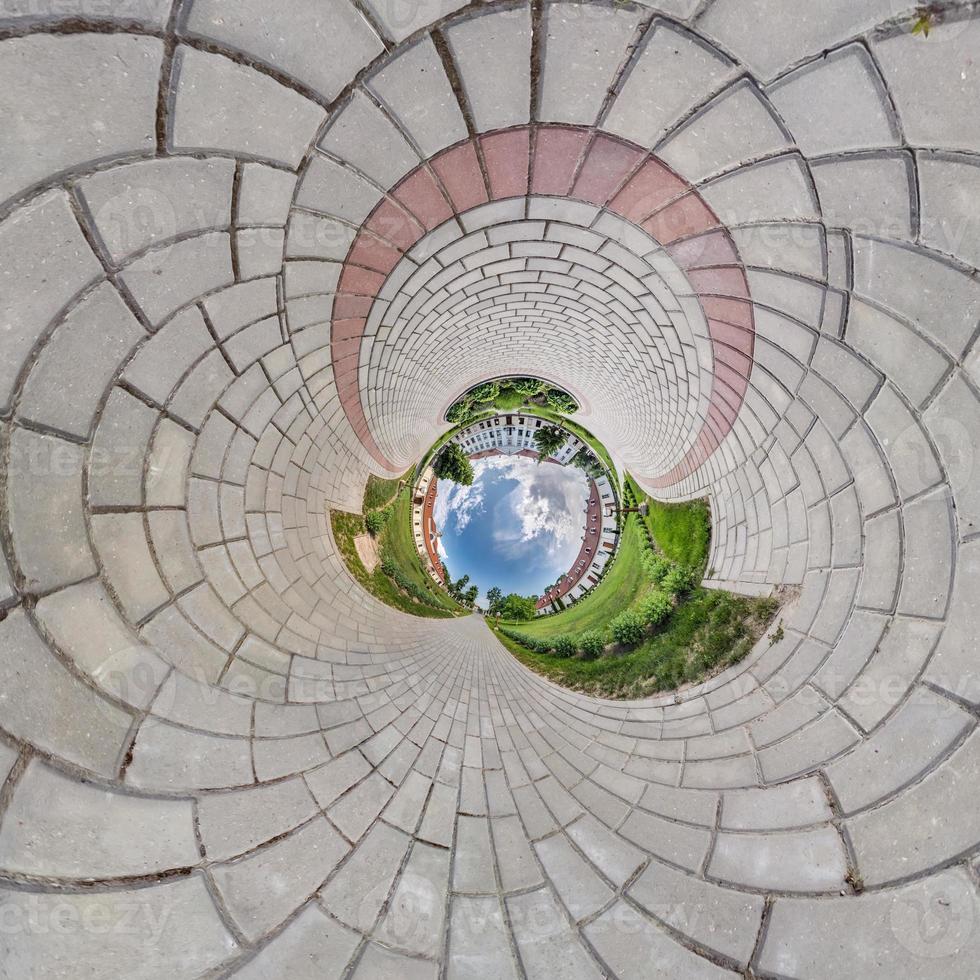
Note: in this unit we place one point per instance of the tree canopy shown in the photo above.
(518, 607)
(548, 440)
(495, 599)
(453, 464)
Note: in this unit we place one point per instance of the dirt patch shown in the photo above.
(367, 551)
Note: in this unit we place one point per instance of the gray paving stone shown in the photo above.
(493, 55)
(851, 111)
(165, 357)
(416, 913)
(400, 21)
(650, 952)
(359, 890)
(829, 735)
(144, 204)
(167, 278)
(911, 740)
(187, 932)
(414, 86)
(876, 934)
(379, 961)
(928, 555)
(547, 944)
(591, 56)
(75, 367)
(98, 93)
(897, 839)
(581, 890)
(698, 149)
(720, 919)
(362, 135)
(175, 759)
(929, 120)
(320, 48)
(254, 116)
(261, 890)
(51, 708)
(793, 31)
(235, 822)
(44, 498)
(869, 194)
(312, 945)
(478, 940)
(811, 860)
(46, 256)
(694, 68)
(125, 555)
(58, 827)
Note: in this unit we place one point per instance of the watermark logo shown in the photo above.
(937, 919)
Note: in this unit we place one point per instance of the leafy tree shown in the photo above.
(471, 593)
(518, 607)
(456, 588)
(548, 440)
(375, 522)
(586, 461)
(561, 402)
(528, 387)
(460, 412)
(453, 464)
(495, 599)
(486, 392)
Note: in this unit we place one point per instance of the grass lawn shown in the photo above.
(378, 492)
(398, 539)
(346, 527)
(709, 631)
(619, 587)
(683, 531)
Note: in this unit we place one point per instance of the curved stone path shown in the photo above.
(249, 252)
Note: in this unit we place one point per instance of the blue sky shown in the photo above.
(519, 525)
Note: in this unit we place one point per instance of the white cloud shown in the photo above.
(543, 516)
(463, 502)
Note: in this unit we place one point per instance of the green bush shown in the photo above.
(679, 580)
(627, 628)
(655, 607)
(375, 522)
(565, 646)
(592, 644)
(388, 564)
(531, 642)
(655, 566)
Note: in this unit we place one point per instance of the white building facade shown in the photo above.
(511, 432)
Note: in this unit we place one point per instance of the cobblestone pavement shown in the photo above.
(251, 251)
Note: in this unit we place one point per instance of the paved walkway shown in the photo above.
(250, 252)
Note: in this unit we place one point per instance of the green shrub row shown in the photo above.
(391, 568)
(672, 582)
